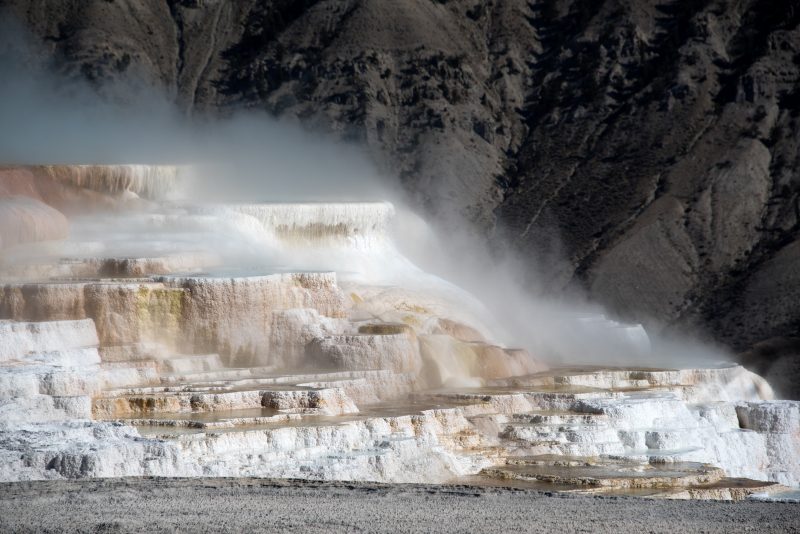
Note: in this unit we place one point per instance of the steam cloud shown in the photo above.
(48, 118)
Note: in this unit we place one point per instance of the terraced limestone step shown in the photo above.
(380, 439)
(324, 393)
(225, 374)
(609, 477)
(724, 382)
(607, 473)
(191, 363)
(327, 401)
(71, 267)
(149, 368)
(189, 314)
(20, 340)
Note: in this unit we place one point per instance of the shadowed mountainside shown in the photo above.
(646, 151)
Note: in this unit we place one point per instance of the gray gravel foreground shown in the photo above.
(248, 505)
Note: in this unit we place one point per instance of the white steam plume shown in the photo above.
(249, 157)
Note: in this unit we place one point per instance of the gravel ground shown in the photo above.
(212, 505)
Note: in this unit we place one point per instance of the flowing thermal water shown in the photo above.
(145, 335)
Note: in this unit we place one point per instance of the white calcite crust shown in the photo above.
(150, 181)
(229, 316)
(358, 224)
(397, 352)
(22, 340)
(121, 362)
(312, 426)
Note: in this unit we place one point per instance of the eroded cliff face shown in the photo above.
(646, 151)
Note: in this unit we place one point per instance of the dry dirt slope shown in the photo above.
(652, 141)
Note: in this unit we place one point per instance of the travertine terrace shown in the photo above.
(141, 334)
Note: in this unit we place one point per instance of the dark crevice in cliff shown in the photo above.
(245, 78)
(177, 18)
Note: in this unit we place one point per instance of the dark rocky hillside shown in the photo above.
(644, 150)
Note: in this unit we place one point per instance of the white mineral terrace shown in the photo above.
(143, 335)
